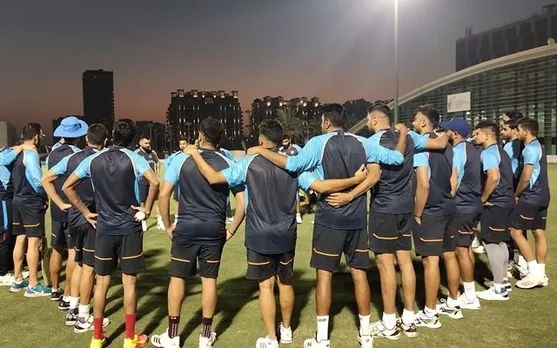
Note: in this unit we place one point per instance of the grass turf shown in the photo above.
(526, 320)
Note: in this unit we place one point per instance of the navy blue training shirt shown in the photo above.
(537, 191)
(338, 155)
(468, 166)
(494, 157)
(84, 190)
(440, 201)
(271, 194)
(202, 207)
(394, 193)
(59, 151)
(26, 178)
(7, 159)
(115, 174)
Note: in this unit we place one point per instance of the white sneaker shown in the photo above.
(312, 343)
(25, 274)
(144, 225)
(378, 329)
(299, 218)
(453, 313)
(532, 281)
(470, 305)
(81, 327)
(430, 322)
(160, 224)
(365, 341)
(163, 341)
(491, 283)
(7, 280)
(266, 342)
(492, 294)
(207, 342)
(285, 334)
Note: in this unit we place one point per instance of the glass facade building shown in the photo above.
(525, 81)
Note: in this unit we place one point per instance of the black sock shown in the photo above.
(206, 331)
(173, 323)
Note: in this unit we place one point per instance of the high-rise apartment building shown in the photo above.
(267, 108)
(512, 38)
(187, 109)
(98, 97)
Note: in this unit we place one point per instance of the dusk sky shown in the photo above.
(334, 49)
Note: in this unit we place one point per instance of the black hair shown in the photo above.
(146, 137)
(335, 113)
(514, 115)
(513, 124)
(183, 139)
(489, 125)
(272, 130)
(382, 108)
(286, 136)
(30, 130)
(213, 130)
(97, 134)
(18, 142)
(530, 125)
(124, 132)
(431, 113)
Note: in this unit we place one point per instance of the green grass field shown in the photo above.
(527, 320)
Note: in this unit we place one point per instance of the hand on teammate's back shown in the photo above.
(190, 149)
(254, 150)
(361, 173)
(401, 128)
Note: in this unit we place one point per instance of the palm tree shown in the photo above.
(291, 123)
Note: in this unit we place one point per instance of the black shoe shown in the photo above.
(57, 295)
(64, 305)
(71, 317)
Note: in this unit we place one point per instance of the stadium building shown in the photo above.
(526, 81)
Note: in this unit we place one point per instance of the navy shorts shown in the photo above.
(128, 249)
(84, 244)
(60, 236)
(467, 229)
(528, 217)
(265, 266)
(495, 222)
(390, 232)
(329, 244)
(184, 258)
(28, 219)
(435, 235)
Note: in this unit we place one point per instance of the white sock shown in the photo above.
(469, 291)
(541, 269)
(389, 320)
(66, 298)
(54, 290)
(430, 312)
(322, 328)
(365, 329)
(408, 317)
(499, 287)
(452, 303)
(521, 261)
(159, 218)
(533, 266)
(83, 311)
(74, 302)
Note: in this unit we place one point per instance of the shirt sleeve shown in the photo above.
(33, 172)
(236, 174)
(378, 154)
(60, 167)
(420, 141)
(7, 157)
(308, 158)
(172, 173)
(421, 160)
(530, 155)
(305, 180)
(490, 160)
(458, 159)
(141, 165)
(83, 170)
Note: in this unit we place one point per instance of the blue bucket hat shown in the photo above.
(71, 127)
